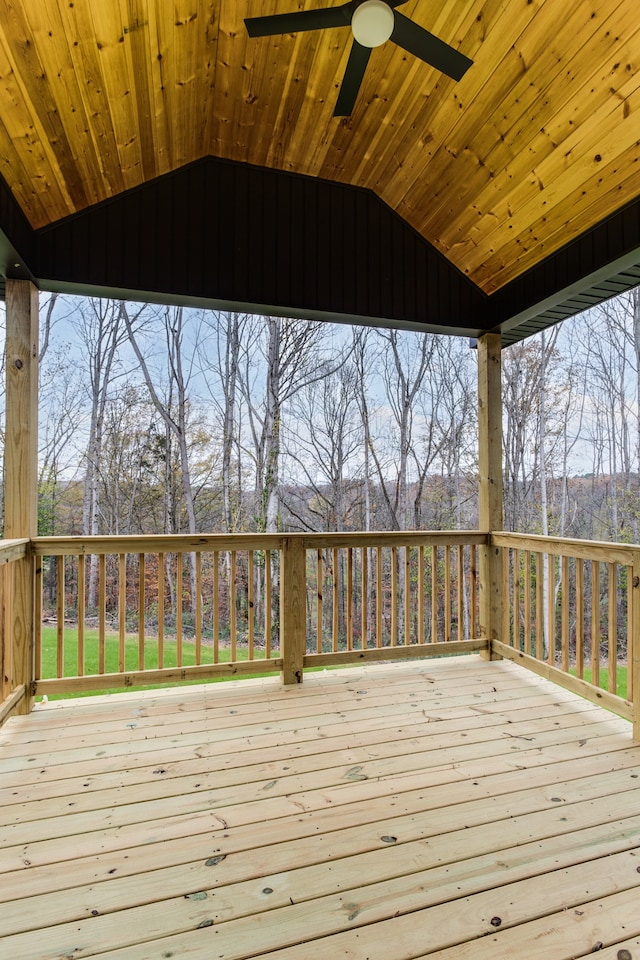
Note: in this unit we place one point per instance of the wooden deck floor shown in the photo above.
(447, 809)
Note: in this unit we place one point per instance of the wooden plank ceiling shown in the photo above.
(537, 143)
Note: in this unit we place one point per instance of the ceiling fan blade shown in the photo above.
(356, 66)
(301, 20)
(422, 44)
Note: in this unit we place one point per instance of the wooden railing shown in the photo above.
(571, 612)
(127, 611)
(373, 596)
(16, 591)
(122, 611)
(109, 612)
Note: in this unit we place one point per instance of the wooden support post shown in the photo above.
(21, 469)
(634, 659)
(293, 609)
(490, 469)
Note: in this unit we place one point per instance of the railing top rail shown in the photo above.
(11, 550)
(153, 543)
(622, 553)
(395, 538)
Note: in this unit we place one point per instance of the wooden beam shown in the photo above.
(21, 469)
(292, 609)
(602, 698)
(416, 651)
(490, 469)
(11, 704)
(142, 678)
(633, 658)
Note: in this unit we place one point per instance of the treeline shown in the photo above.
(167, 420)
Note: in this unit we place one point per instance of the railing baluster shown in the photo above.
(629, 657)
(473, 592)
(447, 593)
(527, 602)
(595, 623)
(364, 595)
(267, 603)
(539, 606)
(421, 594)
(6, 647)
(564, 604)
(335, 601)
(516, 599)
(233, 626)
(434, 594)
(378, 596)
(250, 604)
(319, 595)
(122, 608)
(612, 628)
(551, 608)
(407, 596)
(60, 615)
(507, 599)
(179, 599)
(580, 601)
(141, 609)
(198, 608)
(460, 633)
(634, 658)
(216, 606)
(394, 596)
(161, 611)
(102, 611)
(349, 598)
(6, 572)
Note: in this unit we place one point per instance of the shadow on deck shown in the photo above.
(446, 809)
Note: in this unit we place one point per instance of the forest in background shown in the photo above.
(166, 420)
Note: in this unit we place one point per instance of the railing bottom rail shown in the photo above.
(411, 652)
(623, 708)
(11, 703)
(141, 678)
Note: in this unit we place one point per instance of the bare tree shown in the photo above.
(228, 340)
(99, 329)
(328, 450)
(294, 354)
(174, 407)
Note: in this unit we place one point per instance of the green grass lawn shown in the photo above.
(112, 647)
(621, 678)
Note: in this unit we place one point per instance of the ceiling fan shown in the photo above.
(372, 23)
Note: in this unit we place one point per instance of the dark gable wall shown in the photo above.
(234, 235)
(608, 242)
(16, 239)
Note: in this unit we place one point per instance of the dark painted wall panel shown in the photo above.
(14, 224)
(222, 233)
(239, 234)
(614, 238)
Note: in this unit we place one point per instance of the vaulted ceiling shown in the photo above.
(535, 148)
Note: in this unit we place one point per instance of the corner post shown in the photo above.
(490, 471)
(634, 658)
(293, 637)
(21, 469)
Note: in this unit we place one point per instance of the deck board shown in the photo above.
(389, 810)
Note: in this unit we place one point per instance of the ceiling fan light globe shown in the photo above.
(372, 23)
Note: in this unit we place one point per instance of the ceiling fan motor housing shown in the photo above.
(372, 23)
